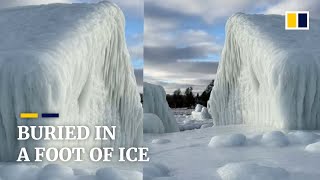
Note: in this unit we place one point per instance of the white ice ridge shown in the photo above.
(69, 59)
(268, 76)
(154, 101)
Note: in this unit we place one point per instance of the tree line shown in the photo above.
(187, 98)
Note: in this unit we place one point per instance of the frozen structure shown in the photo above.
(200, 113)
(69, 59)
(154, 101)
(268, 76)
(152, 124)
(198, 108)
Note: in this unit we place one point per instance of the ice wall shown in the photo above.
(69, 59)
(154, 101)
(268, 76)
(152, 124)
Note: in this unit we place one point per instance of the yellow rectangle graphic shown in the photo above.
(29, 115)
(292, 20)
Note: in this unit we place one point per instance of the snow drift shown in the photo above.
(200, 113)
(268, 76)
(69, 59)
(152, 123)
(154, 101)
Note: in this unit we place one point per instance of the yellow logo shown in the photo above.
(297, 20)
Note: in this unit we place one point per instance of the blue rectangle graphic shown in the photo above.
(302, 20)
(50, 115)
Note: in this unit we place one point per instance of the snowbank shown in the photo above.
(228, 140)
(152, 123)
(314, 147)
(267, 139)
(55, 171)
(202, 114)
(154, 101)
(245, 171)
(69, 59)
(268, 76)
(275, 139)
(198, 108)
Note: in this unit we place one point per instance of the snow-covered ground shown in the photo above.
(80, 171)
(237, 152)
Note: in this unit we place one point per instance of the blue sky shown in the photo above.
(183, 39)
(177, 43)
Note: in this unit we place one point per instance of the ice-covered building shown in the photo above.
(154, 101)
(268, 76)
(69, 59)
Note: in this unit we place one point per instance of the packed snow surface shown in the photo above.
(242, 152)
(268, 76)
(69, 59)
(152, 123)
(245, 171)
(55, 171)
(154, 101)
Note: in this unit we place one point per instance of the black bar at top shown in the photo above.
(50, 115)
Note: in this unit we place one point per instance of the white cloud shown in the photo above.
(210, 10)
(294, 5)
(13, 3)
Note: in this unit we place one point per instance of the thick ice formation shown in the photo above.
(268, 76)
(154, 101)
(152, 123)
(69, 59)
(198, 108)
(202, 114)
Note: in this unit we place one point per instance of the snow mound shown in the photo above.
(55, 171)
(155, 171)
(274, 139)
(202, 115)
(267, 76)
(314, 147)
(198, 108)
(302, 137)
(152, 124)
(69, 59)
(246, 171)
(228, 140)
(154, 101)
(160, 141)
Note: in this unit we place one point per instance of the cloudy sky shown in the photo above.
(183, 39)
(133, 10)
